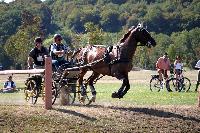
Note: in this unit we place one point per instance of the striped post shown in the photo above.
(48, 83)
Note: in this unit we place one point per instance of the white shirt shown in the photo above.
(9, 84)
(198, 65)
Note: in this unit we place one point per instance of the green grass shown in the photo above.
(140, 94)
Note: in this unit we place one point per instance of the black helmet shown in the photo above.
(9, 77)
(38, 40)
(57, 36)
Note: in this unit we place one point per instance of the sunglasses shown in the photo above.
(38, 43)
(59, 39)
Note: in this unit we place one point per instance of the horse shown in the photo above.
(115, 61)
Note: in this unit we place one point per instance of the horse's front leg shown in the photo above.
(123, 89)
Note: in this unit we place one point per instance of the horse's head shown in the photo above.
(143, 36)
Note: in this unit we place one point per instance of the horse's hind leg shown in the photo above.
(83, 88)
(91, 85)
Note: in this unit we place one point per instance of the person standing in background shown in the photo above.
(197, 66)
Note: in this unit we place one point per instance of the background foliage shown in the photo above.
(174, 24)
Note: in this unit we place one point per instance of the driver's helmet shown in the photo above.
(38, 40)
(57, 36)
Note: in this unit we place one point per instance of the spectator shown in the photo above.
(9, 85)
(37, 54)
(162, 66)
(197, 66)
(178, 66)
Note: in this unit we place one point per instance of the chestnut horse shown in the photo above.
(114, 61)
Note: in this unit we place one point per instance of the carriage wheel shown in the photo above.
(155, 84)
(54, 92)
(31, 91)
(71, 93)
(67, 95)
(174, 85)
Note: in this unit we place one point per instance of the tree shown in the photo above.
(18, 45)
(110, 21)
(94, 34)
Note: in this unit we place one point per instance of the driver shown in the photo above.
(58, 51)
(37, 54)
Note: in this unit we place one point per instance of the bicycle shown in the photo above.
(171, 84)
(186, 84)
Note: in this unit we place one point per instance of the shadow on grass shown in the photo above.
(150, 111)
(75, 114)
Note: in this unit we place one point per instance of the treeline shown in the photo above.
(174, 24)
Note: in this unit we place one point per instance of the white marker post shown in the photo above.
(48, 83)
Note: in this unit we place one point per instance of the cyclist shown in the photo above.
(197, 66)
(178, 66)
(162, 66)
(37, 54)
(58, 51)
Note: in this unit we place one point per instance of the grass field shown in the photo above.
(139, 93)
(139, 111)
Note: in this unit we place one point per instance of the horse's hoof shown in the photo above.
(93, 99)
(82, 99)
(116, 95)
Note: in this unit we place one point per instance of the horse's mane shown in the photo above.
(122, 40)
(75, 53)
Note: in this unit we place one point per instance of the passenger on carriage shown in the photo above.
(37, 54)
(58, 51)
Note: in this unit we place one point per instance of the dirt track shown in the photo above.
(101, 118)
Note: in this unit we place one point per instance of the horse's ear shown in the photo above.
(140, 25)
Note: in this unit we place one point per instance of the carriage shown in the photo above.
(64, 86)
(116, 61)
